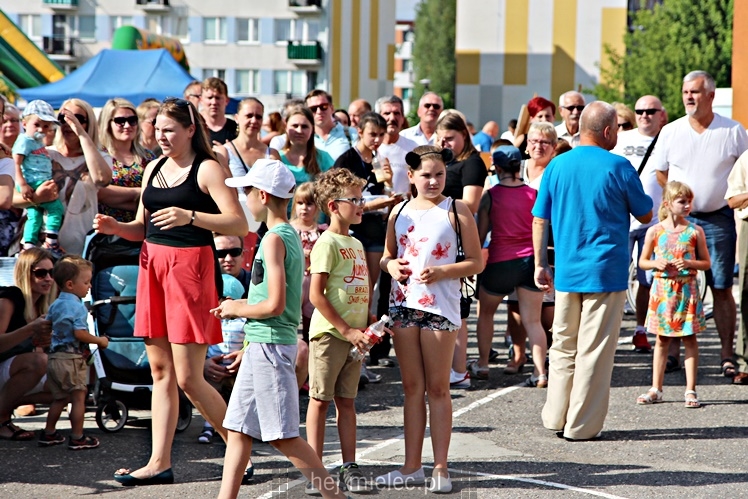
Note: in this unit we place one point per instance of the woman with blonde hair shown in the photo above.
(79, 170)
(23, 328)
(120, 136)
(147, 111)
(626, 117)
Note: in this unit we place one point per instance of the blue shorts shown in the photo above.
(721, 239)
(636, 236)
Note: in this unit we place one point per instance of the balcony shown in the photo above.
(153, 5)
(59, 48)
(305, 6)
(304, 53)
(61, 5)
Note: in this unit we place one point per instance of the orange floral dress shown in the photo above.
(675, 307)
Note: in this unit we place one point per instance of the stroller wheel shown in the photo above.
(111, 417)
(185, 413)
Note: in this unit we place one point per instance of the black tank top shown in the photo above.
(186, 195)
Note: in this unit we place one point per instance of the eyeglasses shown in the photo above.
(428, 105)
(180, 103)
(625, 126)
(234, 252)
(321, 107)
(130, 120)
(572, 108)
(353, 201)
(648, 112)
(543, 143)
(41, 273)
(81, 119)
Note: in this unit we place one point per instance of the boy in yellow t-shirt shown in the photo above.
(339, 291)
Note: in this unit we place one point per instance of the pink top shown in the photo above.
(511, 222)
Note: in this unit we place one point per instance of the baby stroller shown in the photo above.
(123, 374)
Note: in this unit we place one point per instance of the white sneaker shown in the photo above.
(459, 380)
(439, 484)
(397, 479)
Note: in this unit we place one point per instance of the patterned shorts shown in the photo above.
(403, 317)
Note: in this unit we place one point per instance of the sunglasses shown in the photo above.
(353, 201)
(130, 120)
(572, 108)
(178, 101)
(648, 112)
(434, 106)
(234, 252)
(41, 273)
(625, 126)
(81, 119)
(321, 107)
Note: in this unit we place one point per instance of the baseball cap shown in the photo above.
(232, 287)
(504, 156)
(269, 175)
(41, 109)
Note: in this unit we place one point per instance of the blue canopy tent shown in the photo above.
(131, 74)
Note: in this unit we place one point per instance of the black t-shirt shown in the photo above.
(245, 278)
(471, 171)
(228, 132)
(373, 226)
(17, 321)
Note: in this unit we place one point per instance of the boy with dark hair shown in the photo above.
(273, 310)
(67, 371)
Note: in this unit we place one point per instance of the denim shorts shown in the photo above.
(636, 237)
(721, 239)
(403, 317)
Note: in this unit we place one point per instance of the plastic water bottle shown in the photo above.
(374, 333)
(376, 166)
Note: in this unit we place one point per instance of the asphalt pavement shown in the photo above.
(499, 447)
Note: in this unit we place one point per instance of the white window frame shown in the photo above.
(253, 81)
(116, 22)
(253, 30)
(76, 29)
(216, 72)
(289, 82)
(294, 26)
(175, 24)
(162, 24)
(26, 23)
(220, 23)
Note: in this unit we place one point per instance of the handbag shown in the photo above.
(467, 290)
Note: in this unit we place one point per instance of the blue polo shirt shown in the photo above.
(337, 142)
(588, 194)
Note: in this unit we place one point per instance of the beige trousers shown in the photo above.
(585, 337)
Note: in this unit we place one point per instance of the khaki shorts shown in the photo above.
(332, 371)
(65, 375)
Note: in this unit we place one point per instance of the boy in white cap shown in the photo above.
(34, 167)
(273, 312)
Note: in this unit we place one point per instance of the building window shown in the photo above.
(247, 81)
(181, 29)
(408, 65)
(86, 29)
(214, 29)
(31, 25)
(290, 82)
(218, 73)
(119, 21)
(154, 24)
(248, 30)
(294, 29)
(407, 93)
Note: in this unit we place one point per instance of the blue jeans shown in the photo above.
(719, 229)
(636, 236)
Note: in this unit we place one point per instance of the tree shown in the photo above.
(434, 50)
(665, 44)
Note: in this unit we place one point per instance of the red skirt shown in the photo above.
(176, 290)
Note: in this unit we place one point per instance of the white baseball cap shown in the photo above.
(269, 175)
(41, 109)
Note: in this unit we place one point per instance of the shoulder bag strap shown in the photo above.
(240, 156)
(458, 230)
(647, 154)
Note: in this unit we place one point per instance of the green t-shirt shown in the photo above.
(344, 260)
(280, 330)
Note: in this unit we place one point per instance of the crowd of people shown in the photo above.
(359, 216)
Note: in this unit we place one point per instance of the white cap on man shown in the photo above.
(269, 175)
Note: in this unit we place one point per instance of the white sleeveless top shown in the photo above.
(426, 238)
(238, 169)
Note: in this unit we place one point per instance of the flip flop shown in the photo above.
(17, 434)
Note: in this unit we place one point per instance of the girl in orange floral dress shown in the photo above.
(675, 308)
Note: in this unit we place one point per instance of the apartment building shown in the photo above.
(270, 49)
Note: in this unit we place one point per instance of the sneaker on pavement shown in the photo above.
(373, 377)
(85, 442)
(353, 479)
(459, 380)
(493, 356)
(641, 343)
(46, 440)
(311, 490)
(206, 436)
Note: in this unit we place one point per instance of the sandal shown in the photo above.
(513, 367)
(692, 402)
(727, 366)
(541, 381)
(17, 434)
(476, 371)
(653, 396)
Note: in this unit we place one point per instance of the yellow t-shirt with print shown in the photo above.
(344, 260)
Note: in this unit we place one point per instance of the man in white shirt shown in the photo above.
(395, 146)
(570, 106)
(636, 145)
(429, 108)
(328, 135)
(700, 150)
